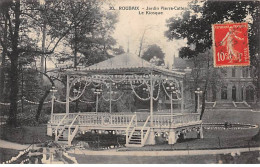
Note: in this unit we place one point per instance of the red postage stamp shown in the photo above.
(230, 44)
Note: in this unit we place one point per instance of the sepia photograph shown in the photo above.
(129, 82)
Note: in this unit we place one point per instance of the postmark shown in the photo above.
(230, 44)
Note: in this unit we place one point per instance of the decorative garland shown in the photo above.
(91, 80)
(113, 99)
(97, 85)
(28, 101)
(62, 102)
(21, 153)
(169, 95)
(140, 85)
(5, 104)
(144, 99)
(87, 102)
(124, 79)
(78, 96)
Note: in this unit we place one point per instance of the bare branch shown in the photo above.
(10, 25)
(32, 17)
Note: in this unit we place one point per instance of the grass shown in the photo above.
(24, 134)
(7, 154)
(238, 116)
(96, 159)
(29, 135)
(243, 158)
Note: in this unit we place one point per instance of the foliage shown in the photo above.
(27, 118)
(24, 134)
(126, 103)
(118, 51)
(90, 32)
(97, 141)
(30, 85)
(154, 51)
(6, 154)
(195, 26)
(79, 24)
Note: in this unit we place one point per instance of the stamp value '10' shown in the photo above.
(230, 44)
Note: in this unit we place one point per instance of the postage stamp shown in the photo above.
(230, 44)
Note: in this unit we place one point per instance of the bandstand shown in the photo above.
(131, 73)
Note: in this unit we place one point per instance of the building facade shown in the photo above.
(236, 83)
(237, 86)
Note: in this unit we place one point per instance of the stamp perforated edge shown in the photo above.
(213, 45)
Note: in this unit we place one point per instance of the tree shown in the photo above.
(60, 22)
(74, 11)
(154, 52)
(195, 26)
(3, 65)
(118, 51)
(14, 53)
(100, 41)
(91, 36)
(142, 39)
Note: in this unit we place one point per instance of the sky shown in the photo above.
(131, 25)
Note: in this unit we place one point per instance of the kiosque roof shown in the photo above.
(122, 63)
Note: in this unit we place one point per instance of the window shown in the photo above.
(242, 94)
(250, 93)
(233, 72)
(251, 71)
(224, 93)
(245, 72)
(234, 95)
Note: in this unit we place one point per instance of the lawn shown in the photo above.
(24, 134)
(233, 116)
(213, 138)
(243, 158)
(7, 154)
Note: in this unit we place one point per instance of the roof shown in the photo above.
(126, 60)
(181, 63)
(124, 63)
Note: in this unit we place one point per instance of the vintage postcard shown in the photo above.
(129, 82)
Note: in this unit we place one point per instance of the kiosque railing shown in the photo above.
(116, 119)
(93, 119)
(170, 120)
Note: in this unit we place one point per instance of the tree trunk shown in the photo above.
(75, 48)
(14, 76)
(204, 99)
(141, 44)
(14, 84)
(77, 105)
(196, 102)
(37, 116)
(2, 75)
(214, 92)
(205, 89)
(196, 75)
(43, 50)
(75, 58)
(41, 102)
(258, 84)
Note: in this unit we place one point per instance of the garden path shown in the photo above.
(12, 145)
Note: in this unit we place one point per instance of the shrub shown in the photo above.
(27, 118)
